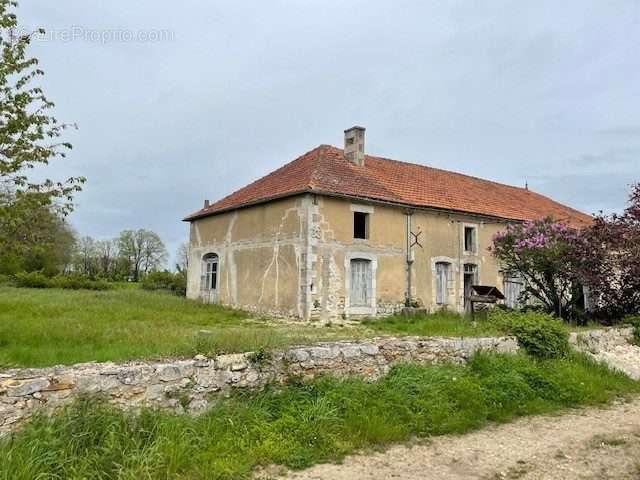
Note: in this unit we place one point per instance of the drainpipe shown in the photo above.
(408, 300)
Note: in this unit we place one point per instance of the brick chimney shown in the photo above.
(354, 145)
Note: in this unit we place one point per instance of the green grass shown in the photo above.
(448, 324)
(452, 324)
(302, 423)
(41, 327)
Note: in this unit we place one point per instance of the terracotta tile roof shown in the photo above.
(325, 170)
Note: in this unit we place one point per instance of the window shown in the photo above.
(360, 225)
(470, 239)
(361, 283)
(442, 283)
(209, 277)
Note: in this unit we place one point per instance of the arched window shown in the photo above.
(442, 282)
(209, 277)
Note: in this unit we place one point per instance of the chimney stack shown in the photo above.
(354, 145)
(206, 204)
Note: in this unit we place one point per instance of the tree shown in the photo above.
(142, 250)
(86, 256)
(47, 246)
(541, 253)
(609, 261)
(107, 251)
(29, 136)
(182, 258)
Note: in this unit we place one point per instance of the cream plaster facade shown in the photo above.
(292, 257)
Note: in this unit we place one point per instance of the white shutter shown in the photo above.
(361, 283)
(512, 290)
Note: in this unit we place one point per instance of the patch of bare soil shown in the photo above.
(580, 444)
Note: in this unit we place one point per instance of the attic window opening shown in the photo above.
(360, 225)
(350, 141)
(470, 239)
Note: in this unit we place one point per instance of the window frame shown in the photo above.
(371, 308)
(474, 239)
(366, 219)
(210, 270)
(442, 284)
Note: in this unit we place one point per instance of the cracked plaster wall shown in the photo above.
(291, 257)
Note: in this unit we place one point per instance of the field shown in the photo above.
(41, 327)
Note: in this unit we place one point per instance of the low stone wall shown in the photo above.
(191, 385)
(605, 339)
(612, 346)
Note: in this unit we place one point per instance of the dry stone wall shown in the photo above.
(191, 385)
(613, 346)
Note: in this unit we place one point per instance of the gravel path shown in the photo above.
(582, 444)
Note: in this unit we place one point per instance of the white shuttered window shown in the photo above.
(361, 283)
(442, 283)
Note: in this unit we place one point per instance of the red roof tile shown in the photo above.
(325, 170)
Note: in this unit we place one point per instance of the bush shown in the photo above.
(31, 280)
(172, 282)
(74, 281)
(541, 335)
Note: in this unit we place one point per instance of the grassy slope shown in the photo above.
(47, 327)
(51, 326)
(302, 424)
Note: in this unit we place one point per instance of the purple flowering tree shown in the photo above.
(541, 253)
(608, 260)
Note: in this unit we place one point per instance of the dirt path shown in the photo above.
(580, 444)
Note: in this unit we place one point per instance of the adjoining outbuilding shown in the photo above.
(337, 233)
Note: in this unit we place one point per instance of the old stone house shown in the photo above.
(337, 234)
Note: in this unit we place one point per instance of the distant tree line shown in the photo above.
(54, 249)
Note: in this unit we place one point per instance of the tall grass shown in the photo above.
(53, 326)
(302, 423)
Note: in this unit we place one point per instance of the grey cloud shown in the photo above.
(503, 89)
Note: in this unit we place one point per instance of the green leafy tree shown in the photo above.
(50, 247)
(29, 136)
(142, 251)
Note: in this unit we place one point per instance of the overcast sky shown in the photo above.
(545, 91)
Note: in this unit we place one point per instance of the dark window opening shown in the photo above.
(360, 225)
(470, 279)
(469, 239)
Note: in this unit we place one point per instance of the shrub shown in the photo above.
(172, 282)
(76, 281)
(541, 335)
(31, 280)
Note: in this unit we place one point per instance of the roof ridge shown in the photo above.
(325, 170)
